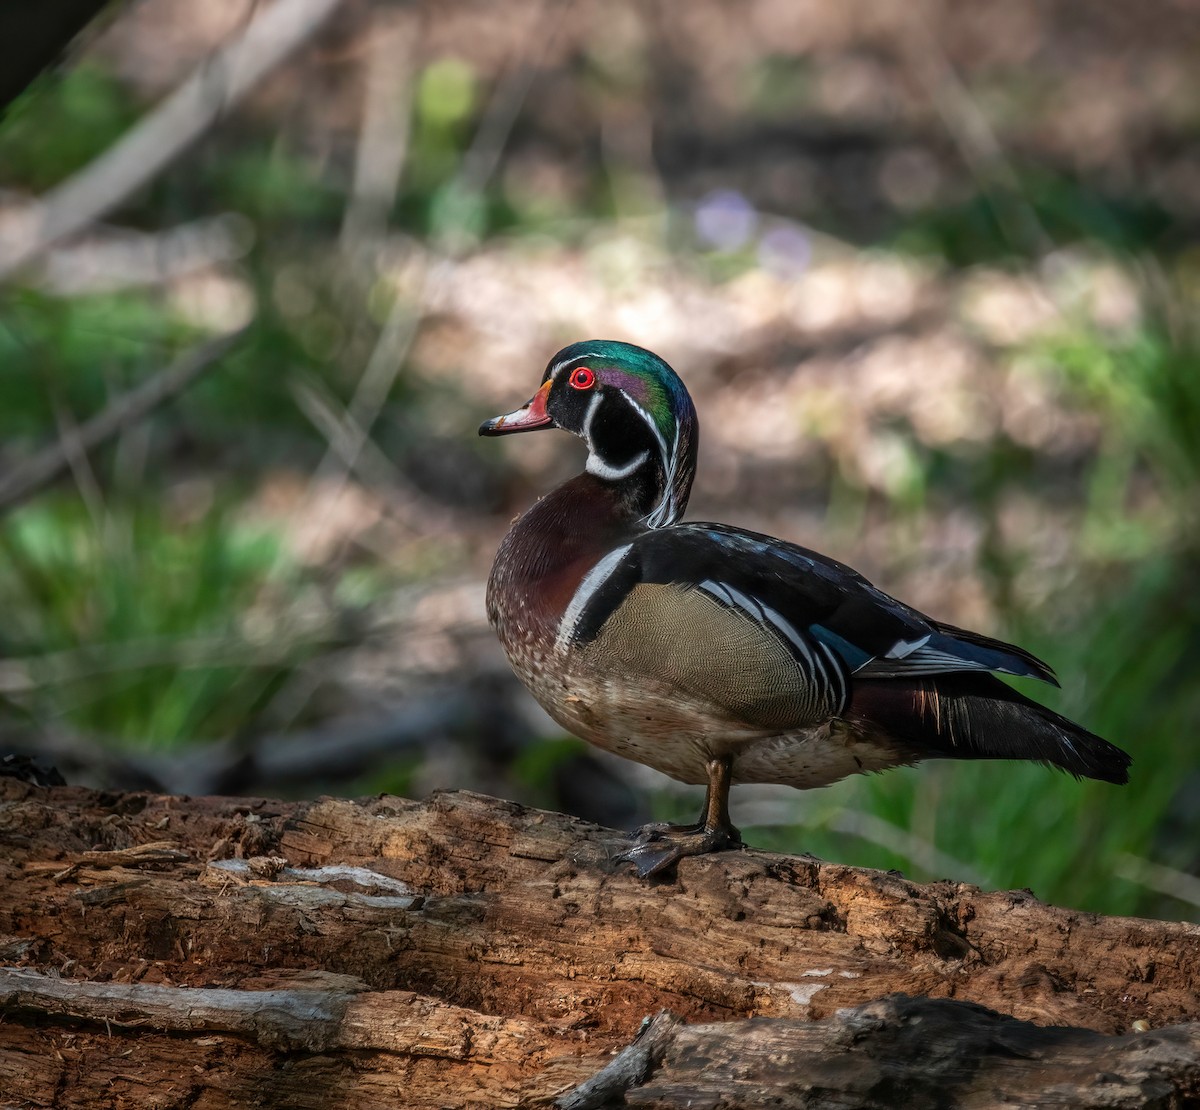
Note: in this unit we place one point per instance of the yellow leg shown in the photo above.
(661, 846)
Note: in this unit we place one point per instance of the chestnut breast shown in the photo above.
(543, 559)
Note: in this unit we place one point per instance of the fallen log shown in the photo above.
(220, 952)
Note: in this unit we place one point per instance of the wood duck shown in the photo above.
(718, 655)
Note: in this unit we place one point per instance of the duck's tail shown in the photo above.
(977, 716)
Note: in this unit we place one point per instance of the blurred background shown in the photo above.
(929, 270)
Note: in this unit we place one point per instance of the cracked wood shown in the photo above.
(468, 951)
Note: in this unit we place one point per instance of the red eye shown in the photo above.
(582, 378)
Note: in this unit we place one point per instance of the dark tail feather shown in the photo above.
(976, 716)
(1033, 666)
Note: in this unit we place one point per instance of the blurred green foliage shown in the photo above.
(66, 354)
(66, 357)
(59, 125)
(274, 186)
(1039, 210)
(138, 623)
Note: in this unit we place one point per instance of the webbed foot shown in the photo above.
(659, 847)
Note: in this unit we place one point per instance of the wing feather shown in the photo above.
(813, 601)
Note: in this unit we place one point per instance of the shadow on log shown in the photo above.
(215, 952)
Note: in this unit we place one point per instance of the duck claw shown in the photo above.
(659, 846)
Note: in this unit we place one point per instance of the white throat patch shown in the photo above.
(665, 511)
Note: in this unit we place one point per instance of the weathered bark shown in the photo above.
(216, 952)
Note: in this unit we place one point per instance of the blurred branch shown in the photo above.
(478, 165)
(357, 450)
(207, 95)
(335, 751)
(483, 156)
(85, 477)
(926, 855)
(122, 413)
(23, 674)
(383, 136)
(974, 136)
(1154, 876)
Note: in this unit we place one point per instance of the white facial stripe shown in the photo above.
(601, 469)
(592, 581)
(597, 466)
(560, 366)
(665, 511)
(593, 405)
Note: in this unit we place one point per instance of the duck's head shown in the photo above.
(631, 410)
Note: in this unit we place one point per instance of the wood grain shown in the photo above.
(217, 952)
